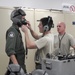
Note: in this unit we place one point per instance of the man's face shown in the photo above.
(60, 28)
(41, 30)
(23, 17)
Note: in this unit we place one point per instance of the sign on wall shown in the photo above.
(68, 7)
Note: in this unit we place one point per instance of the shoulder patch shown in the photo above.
(11, 34)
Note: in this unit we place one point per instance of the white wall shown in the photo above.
(4, 24)
(57, 16)
(32, 15)
(30, 59)
(69, 18)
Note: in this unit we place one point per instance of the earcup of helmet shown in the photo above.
(17, 21)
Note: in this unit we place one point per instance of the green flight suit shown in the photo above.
(14, 45)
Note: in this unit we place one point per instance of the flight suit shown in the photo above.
(14, 45)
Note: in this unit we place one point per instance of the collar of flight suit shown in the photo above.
(16, 27)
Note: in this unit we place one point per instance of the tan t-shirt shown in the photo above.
(66, 42)
(45, 45)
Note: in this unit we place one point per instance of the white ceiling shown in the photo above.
(40, 4)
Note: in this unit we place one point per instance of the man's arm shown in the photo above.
(30, 44)
(73, 47)
(13, 59)
(10, 45)
(72, 41)
(34, 34)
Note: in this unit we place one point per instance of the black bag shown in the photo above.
(7, 72)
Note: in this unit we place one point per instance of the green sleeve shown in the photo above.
(10, 42)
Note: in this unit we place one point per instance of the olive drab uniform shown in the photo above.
(14, 45)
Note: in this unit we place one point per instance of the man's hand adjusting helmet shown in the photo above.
(16, 17)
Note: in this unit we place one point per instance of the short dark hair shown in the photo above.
(44, 21)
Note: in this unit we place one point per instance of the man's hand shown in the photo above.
(13, 59)
(24, 28)
(29, 25)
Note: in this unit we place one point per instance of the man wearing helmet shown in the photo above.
(14, 44)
